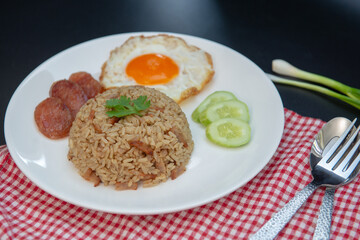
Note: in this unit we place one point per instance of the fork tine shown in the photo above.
(340, 155)
(352, 165)
(332, 150)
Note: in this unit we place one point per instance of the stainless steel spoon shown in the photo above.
(324, 140)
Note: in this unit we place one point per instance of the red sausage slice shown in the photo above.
(53, 118)
(70, 93)
(90, 86)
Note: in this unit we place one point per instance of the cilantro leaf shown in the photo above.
(141, 104)
(112, 103)
(125, 106)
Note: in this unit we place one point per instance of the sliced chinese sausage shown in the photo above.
(90, 86)
(125, 186)
(91, 176)
(177, 172)
(179, 135)
(53, 118)
(70, 93)
(146, 148)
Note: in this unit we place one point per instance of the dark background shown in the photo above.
(321, 36)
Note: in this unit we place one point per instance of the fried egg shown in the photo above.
(166, 63)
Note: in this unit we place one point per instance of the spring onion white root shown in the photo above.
(313, 87)
(284, 68)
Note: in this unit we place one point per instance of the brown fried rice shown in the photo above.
(132, 150)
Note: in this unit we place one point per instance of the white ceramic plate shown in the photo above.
(213, 171)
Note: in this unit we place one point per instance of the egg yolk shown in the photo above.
(152, 69)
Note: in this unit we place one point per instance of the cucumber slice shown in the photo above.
(212, 98)
(225, 109)
(229, 132)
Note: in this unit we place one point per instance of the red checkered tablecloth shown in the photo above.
(27, 212)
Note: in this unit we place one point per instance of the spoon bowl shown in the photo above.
(326, 137)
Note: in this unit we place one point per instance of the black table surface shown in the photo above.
(320, 36)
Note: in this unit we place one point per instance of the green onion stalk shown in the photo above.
(352, 95)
